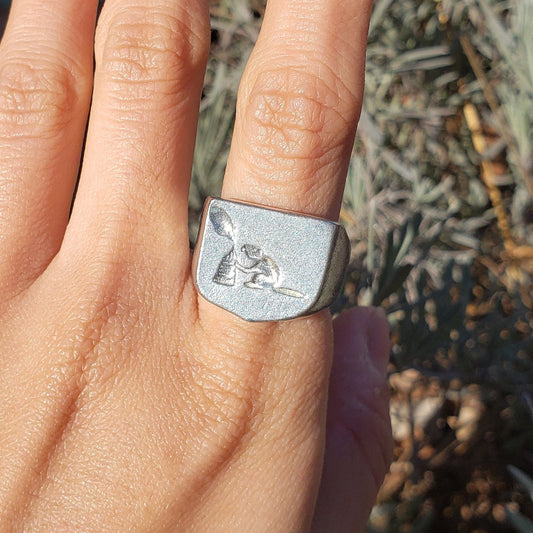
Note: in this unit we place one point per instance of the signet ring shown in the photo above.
(265, 264)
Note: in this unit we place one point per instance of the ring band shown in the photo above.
(265, 264)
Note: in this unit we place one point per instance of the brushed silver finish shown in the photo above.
(264, 264)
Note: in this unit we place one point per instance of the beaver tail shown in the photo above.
(288, 292)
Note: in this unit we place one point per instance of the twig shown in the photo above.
(494, 104)
(487, 175)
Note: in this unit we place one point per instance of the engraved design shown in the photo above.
(227, 271)
(263, 270)
(222, 223)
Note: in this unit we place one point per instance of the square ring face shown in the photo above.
(262, 264)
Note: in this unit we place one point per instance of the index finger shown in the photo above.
(298, 106)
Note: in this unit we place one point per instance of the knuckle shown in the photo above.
(225, 409)
(102, 330)
(135, 49)
(292, 116)
(37, 98)
(103, 310)
(103, 321)
(244, 378)
(228, 391)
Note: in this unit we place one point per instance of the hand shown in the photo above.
(127, 402)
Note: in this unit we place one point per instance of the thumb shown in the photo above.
(358, 439)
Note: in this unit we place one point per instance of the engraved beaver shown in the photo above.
(266, 273)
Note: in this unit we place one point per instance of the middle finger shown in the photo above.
(132, 199)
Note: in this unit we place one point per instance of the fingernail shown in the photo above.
(377, 336)
(364, 332)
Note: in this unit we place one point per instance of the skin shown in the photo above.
(127, 402)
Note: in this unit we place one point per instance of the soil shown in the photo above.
(451, 456)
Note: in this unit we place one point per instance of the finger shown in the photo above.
(45, 86)
(298, 106)
(150, 61)
(358, 438)
(297, 109)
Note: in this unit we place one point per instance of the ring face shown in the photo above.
(263, 264)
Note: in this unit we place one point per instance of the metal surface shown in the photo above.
(263, 264)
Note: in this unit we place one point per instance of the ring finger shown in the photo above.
(132, 200)
(297, 110)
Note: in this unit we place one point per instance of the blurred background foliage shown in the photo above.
(439, 208)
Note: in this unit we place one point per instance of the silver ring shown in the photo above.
(265, 264)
